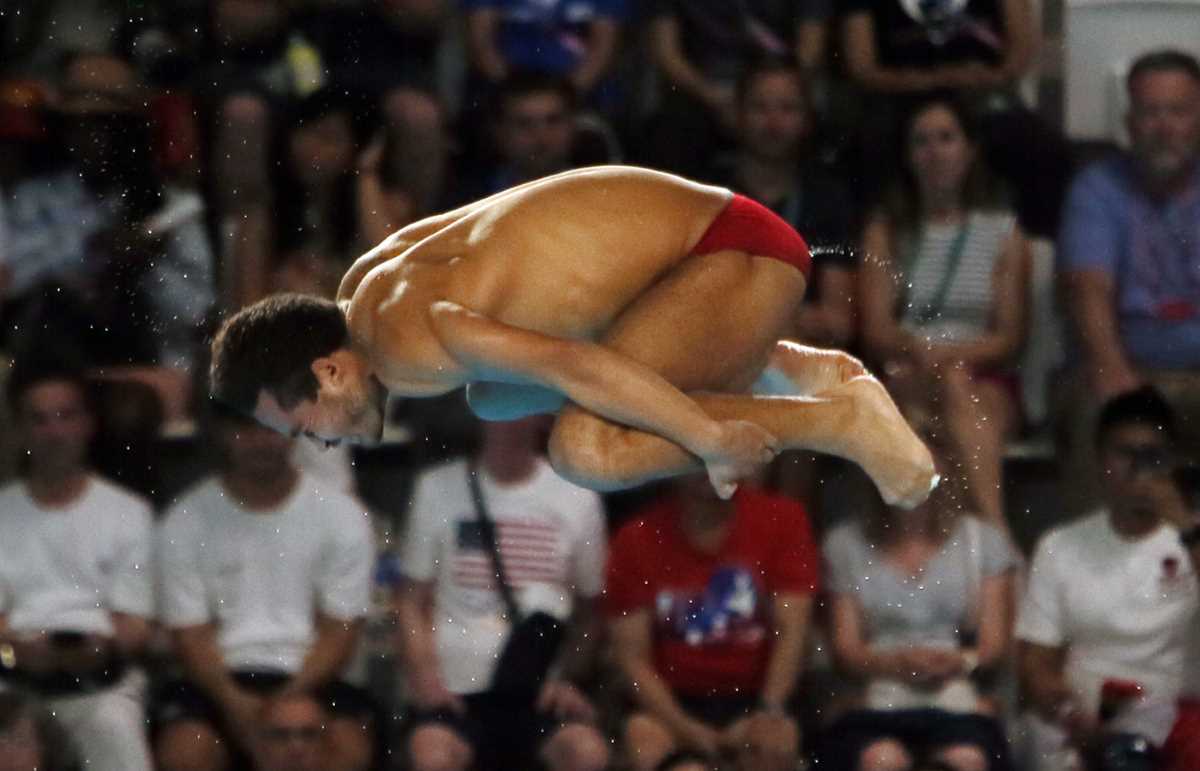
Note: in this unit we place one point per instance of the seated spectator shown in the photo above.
(76, 591)
(575, 41)
(1110, 608)
(1128, 259)
(980, 48)
(549, 537)
(943, 290)
(920, 610)
(30, 738)
(534, 132)
(325, 210)
(266, 578)
(708, 604)
(292, 735)
(99, 254)
(701, 50)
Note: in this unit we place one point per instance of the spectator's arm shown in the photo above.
(249, 278)
(882, 336)
(1021, 38)
(1010, 317)
(482, 24)
(666, 47)
(632, 647)
(130, 633)
(578, 652)
(200, 656)
(603, 36)
(329, 654)
(996, 613)
(830, 321)
(131, 596)
(792, 613)
(862, 60)
(381, 211)
(853, 654)
(417, 644)
(1091, 303)
(1043, 682)
(812, 36)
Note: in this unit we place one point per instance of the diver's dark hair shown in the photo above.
(270, 346)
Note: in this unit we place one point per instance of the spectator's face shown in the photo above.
(57, 427)
(774, 116)
(939, 153)
(292, 736)
(254, 450)
(322, 150)
(19, 747)
(536, 133)
(1133, 457)
(1164, 122)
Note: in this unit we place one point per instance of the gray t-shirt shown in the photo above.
(926, 609)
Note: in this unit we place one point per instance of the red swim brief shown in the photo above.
(748, 226)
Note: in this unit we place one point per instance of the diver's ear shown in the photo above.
(329, 372)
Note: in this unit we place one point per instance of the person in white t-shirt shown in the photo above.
(454, 625)
(265, 582)
(76, 583)
(1110, 609)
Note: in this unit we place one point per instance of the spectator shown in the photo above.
(575, 41)
(76, 591)
(325, 211)
(709, 602)
(1128, 258)
(30, 737)
(921, 608)
(943, 293)
(775, 165)
(1111, 603)
(99, 254)
(980, 48)
(534, 133)
(701, 50)
(551, 541)
(292, 734)
(265, 582)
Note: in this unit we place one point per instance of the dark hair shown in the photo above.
(1163, 60)
(773, 65)
(902, 202)
(1144, 405)
(271, 346)
(32, 372)
(523, 83)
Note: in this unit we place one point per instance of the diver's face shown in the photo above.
(350, 409)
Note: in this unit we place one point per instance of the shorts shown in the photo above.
(748, 226)
(503, 732)
(922, 731)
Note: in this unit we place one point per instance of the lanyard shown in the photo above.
(954, 254)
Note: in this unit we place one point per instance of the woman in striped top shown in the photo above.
(943, 289)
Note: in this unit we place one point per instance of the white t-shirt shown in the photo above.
(68, 568)
(1124, 610)
(259, 575)
(553, 541)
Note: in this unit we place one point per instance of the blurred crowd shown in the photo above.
(182, 589)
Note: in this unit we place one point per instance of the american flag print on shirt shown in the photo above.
(529, 549)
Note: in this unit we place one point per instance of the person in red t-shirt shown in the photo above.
(709, 601)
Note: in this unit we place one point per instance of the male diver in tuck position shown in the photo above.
(644, 309)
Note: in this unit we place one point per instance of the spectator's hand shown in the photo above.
(702, 738)
(370, 160)
(430, 693)
(243, 711)
(565, 702)
(1081, 727)
(932, 666)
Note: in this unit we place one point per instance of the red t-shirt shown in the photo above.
(712, 624)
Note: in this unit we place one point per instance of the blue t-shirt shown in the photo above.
(1150, 248)
(548, 36)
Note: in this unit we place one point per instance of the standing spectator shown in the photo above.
(709, 602)
(921, 608)
(551, 541)
(76, 584)
(943, 291)
(266, 579)
(1129, 252)
(1110, 608)
(701, 50)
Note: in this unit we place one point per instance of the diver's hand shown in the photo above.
(741, 449)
